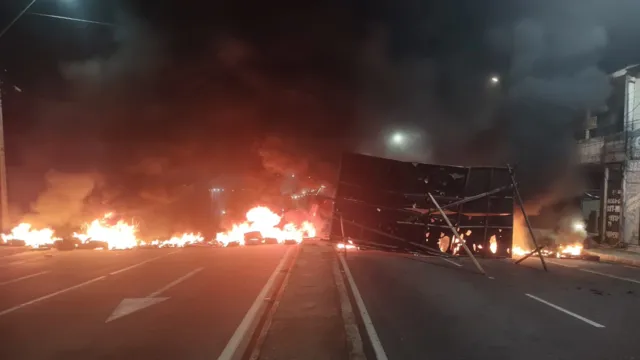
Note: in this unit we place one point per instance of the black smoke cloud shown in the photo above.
(548, 58)
(177, 103)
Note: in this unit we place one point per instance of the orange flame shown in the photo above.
(120, 236)
(265, 221)
(32, 237)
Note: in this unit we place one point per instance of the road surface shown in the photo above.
(430, 308)
(138, 304)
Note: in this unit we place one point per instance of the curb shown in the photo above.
(615, 259)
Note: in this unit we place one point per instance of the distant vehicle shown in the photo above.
(290, 242)
(253, 238)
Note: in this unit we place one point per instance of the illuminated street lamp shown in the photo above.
(4, 198)
(398, 139)
(494, 80)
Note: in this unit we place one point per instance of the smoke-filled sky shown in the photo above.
(145, 113)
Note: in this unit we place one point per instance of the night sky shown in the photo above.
(138, 117)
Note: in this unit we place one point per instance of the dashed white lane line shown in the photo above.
(590, 322)
(611, 276)
(366, 319)
(10, 310)
(451, 261)
(24, 278)
(175, 282)
(48, 296)
(141, 263)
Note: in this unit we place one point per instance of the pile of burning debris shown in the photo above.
(107, 233)
(566, 241)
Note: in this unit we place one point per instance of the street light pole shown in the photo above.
(4, 193)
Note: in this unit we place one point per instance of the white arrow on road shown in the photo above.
(131, 305)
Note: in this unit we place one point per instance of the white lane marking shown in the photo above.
(45, 297)
(24, 278)
(356, 350)
(632, 267)
(611, 276)
(561, 264)
(175, 282)
(590, 322)
(366, 319)
(492, 278)
(10, 310)
(19, 262)
(141, 263)
(451, 261)
(130, 305)
(249, 318)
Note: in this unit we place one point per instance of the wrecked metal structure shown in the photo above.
(387, 203)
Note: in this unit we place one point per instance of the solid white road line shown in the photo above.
(366, 319)
(592, 323)
(175, 282)
(10, 310)
(24, 278)
(451, 261)
(141, 263)
(561, 264)
(356, 350)
(248, 321)
(611, 276)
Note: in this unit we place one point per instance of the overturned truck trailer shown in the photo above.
(385, 203)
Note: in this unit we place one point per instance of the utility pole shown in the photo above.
(4, 194)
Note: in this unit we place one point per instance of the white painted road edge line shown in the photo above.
(141, 263)
(366, 319)
(10, 310)
(592, 323)
(241, 332)
(561, 264)
(611, 276)
(24, 278)
(356, 350)
(175, 282)
(450, 261)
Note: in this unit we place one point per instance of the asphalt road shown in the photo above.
(429, 308)
(138, 304)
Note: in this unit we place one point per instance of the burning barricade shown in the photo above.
(565, 241)
(105, 234)
(264, 226)
(24, 234)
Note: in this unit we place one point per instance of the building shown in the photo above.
(609, 146)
